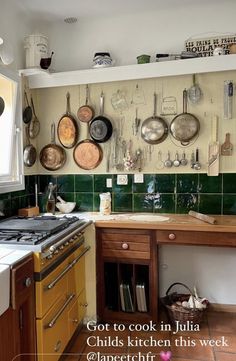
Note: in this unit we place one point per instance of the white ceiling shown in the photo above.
(53, 10)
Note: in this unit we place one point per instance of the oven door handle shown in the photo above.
(70, 265)
(55, 318)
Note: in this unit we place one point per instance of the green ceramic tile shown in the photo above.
(148, 186)
(5, 196)
(143, 203)
(65, 183)
(5, 207)
(229, 204)
(187, 183)
(164, 203)
(165, 183)
(14, 205)
(83, 183)
(210, 203)
(25, 202)
(122, 202)
(229, 183)
(186, 202)
(84, 201)
(122, 188)
(43, 181)
(32, 179)
(68, 196)
(96, 202)
(100, 183)
(210, 184)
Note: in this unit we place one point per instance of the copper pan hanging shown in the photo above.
(67, 129)
(85, 113)
(52, 156)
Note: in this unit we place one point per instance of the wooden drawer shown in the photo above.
(196, 238)
(22, 282)
(77, 313)
(53, 338)
(126, 244)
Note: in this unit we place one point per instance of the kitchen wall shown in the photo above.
(126, 36)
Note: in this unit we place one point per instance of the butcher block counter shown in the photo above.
(175, 228)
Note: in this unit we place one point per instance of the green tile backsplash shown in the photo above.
(159, 193)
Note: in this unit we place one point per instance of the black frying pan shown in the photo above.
(100, 128)
(2, 105)
(27, 113)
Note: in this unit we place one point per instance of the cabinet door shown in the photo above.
(76, 276)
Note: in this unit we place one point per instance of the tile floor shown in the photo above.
(218, 328)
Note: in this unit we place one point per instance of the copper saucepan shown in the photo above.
(52, 156)
(67, 129)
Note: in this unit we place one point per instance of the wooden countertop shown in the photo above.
(182, 222)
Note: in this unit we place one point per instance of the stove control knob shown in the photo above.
(61, 247)
(56, 251)
(66, 244)
(71, 240)
(49, 256)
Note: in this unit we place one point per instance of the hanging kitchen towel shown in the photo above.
(5, 288)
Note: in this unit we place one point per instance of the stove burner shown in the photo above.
(36, 231)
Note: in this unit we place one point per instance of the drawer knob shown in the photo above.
(172, 236)
(28, 282)
(57, 346)
(125, 246)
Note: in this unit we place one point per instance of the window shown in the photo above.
(11, 145)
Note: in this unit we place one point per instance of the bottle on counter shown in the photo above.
(51, 202)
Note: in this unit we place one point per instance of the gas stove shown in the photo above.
(38, 233)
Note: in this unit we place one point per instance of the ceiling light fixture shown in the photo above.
(70, 20)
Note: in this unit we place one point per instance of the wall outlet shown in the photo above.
(138, 178)
(122, 179)
(109, 182)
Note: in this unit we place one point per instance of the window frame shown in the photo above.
(17, 173)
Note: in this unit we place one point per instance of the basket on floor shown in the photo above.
(176, 312)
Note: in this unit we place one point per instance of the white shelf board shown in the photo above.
(132, 72)
(33, 71)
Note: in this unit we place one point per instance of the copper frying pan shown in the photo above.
(85, 113)
(88, 154)
(67, 129)
(52, 156)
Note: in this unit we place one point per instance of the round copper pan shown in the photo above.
(67, 129)
(85, 113)
(87, 154)
(52, 156)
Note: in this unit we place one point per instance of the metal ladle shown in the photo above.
(176, 162)
(183, 160)
(197, 164)
(168, 162)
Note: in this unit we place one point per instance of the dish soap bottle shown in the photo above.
(50, 205)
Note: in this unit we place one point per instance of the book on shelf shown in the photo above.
(141, 297)
(126, 300)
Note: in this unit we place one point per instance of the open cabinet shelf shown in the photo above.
(45, 79)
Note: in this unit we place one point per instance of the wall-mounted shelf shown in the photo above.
(44, 79)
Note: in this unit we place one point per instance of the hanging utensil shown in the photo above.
(214, 150)
(183, 160)
(194, 92)
(100, 127)
(160, 163)
(85, 113)
(138, 96)
(169, 106)
(52, 156)
(168, 162)
(2, 105)
(139, 159)
(34, 126)
(227, 147)
(228, 99)
(197, 164)
(30, 153)
(154, 129)
(27, 113)
(67, 129)
(176, 162)
(136, 124)
(185, 126)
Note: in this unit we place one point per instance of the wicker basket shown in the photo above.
(178, 312)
